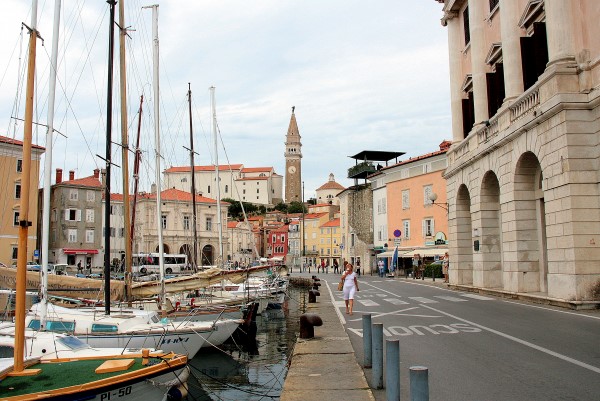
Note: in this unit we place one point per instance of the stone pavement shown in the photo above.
(325, 367)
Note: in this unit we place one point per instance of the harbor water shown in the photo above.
(238, 372)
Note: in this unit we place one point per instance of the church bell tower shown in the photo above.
(293, 162)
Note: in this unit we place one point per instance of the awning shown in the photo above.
(390, 254)
(71, 251)
(426, 252)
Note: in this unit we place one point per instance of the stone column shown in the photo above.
(456, 75)
(478, 53)
(511, 49)
(560, 31)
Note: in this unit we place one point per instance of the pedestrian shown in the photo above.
(350, 287)
(358, 269)
(336, 267)
(79, 267)
(380, 265)
(89, 267)
(445, 265)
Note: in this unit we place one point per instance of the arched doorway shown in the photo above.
(491, 233)
(530, 272)
(166, 248)
(461, 268)
(188, 250)
(207, 255)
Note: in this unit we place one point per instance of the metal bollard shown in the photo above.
(392, 370)
(308, 321)
(377, 336)
(419, 383)
(367, 341)
(312, 296)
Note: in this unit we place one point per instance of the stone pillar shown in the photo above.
(560, 31)
(456, 76)
(478, 53)
(511, 49)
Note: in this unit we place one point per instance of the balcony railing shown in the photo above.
(361, 170)
(527, 103)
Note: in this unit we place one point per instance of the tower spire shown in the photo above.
(293, 161)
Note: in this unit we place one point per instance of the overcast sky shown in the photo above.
(363, 75)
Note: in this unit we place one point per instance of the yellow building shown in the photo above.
(11, 164)
(311, 229)
(330, 237)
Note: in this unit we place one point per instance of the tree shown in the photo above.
(296, 207)
(282, 207)
(235, 208)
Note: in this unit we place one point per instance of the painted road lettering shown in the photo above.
(421, 330)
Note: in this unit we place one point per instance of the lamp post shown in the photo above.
(433, 197)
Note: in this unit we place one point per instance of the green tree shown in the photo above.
(282, 207)
(296, 207)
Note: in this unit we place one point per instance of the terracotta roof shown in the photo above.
(173, 194)
(314, 215)
(332, 223)
(11, 141)
(331, 185)
(223, 167)
(90, 181)
(281, 229)
(256, 169)
(232, 224)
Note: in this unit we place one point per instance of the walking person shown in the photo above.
(350, 287)
(336, 267)
(79, 268)
(445, 263)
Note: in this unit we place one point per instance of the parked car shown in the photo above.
(33, 267)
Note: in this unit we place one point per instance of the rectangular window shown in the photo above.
(466, 26)
(186, 222)
(72, 235)
(352, 240)
(273, 238)
(89, 236)
(18, 191)
(113, 232)
(257, 190)
(428, 228)
(209, 224)
(91, 196)
(53, 215)
(121, 232)
(14, 252)
(19, 166)
(244, 192)
(427, 191)
(72, 215)
(406, 199)
(283, 238)
(15, 218)
(208, 191)
(406, 226)
(89, 215)
(164, 221)
(74, 195)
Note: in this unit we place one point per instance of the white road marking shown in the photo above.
(424, 300)
(450, 298)
(554, 310)
(367, 302)
(395, 301)
(475, 296)
(523, 342)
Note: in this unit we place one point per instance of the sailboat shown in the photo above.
(93, 376)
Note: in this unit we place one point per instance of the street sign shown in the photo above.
(397, 241)
(36, 253)
(397, 233)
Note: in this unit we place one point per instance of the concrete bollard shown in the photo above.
(308, 321)
(377, 355)
(419, 383)
(312, 296)
(392, 370)
(367, 341)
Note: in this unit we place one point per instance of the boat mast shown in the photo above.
(24, 222)
(48, 167)
(194, 211)
(218, 185)
(111, 41)
(125, 150)
(136, 171)
(155, 84)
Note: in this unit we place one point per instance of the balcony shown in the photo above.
(361, 170)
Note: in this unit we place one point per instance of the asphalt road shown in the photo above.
(478, 347)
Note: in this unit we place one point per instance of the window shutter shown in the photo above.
(67, 214)
(424, 228)
(432, 227)
(78, 215)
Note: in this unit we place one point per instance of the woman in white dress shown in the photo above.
(350, 287)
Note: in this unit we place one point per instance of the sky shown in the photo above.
(362, 75)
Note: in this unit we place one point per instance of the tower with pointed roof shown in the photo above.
(293, 162)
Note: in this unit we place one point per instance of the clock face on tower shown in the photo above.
(292, 169)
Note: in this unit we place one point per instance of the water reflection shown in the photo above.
(234, 372)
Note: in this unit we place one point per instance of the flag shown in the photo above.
(395, 260)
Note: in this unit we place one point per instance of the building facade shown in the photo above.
(258, 185)
(241, 243)
(523, 175)
(293, 162)
(11, 179)
(356, 226)
(76, 220)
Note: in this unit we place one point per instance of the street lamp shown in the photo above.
(433, 197)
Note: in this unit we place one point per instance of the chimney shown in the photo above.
(71, 175)
(96, 173)
(58, 175)
(153, 188)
